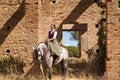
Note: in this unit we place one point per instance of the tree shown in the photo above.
(75, 35)
(73, 51)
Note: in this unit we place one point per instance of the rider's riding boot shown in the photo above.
(57, 60)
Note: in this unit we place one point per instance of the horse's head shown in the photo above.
(39, 54)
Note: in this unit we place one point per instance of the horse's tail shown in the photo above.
(63, 55)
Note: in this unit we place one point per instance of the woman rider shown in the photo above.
(52, 41)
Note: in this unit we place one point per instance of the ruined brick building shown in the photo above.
(25, 23)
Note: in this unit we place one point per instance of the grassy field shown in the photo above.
(78, 70)
(58, 77)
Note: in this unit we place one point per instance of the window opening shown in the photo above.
(70, 41)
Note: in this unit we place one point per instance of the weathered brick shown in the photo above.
(113, 45)
(23, 24)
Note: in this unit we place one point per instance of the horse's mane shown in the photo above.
(43, 43)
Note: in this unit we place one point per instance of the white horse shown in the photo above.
(44, 56)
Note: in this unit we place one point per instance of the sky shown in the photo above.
(66, 39)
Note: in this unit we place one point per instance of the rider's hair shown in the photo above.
(53, 26)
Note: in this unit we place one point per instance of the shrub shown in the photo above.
(11, 65)
(73, 51)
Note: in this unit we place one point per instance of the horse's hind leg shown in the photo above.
(64, 66)
(45, 74)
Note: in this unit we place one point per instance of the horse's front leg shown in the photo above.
(64, 66)
(50, 63)
(50, 73)
(44, 71)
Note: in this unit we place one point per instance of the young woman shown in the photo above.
(52, 41)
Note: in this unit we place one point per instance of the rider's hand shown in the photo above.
(48, 40)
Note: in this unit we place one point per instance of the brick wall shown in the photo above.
(23, 23)
(19, 31)
(113, 40)
(79, 13)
